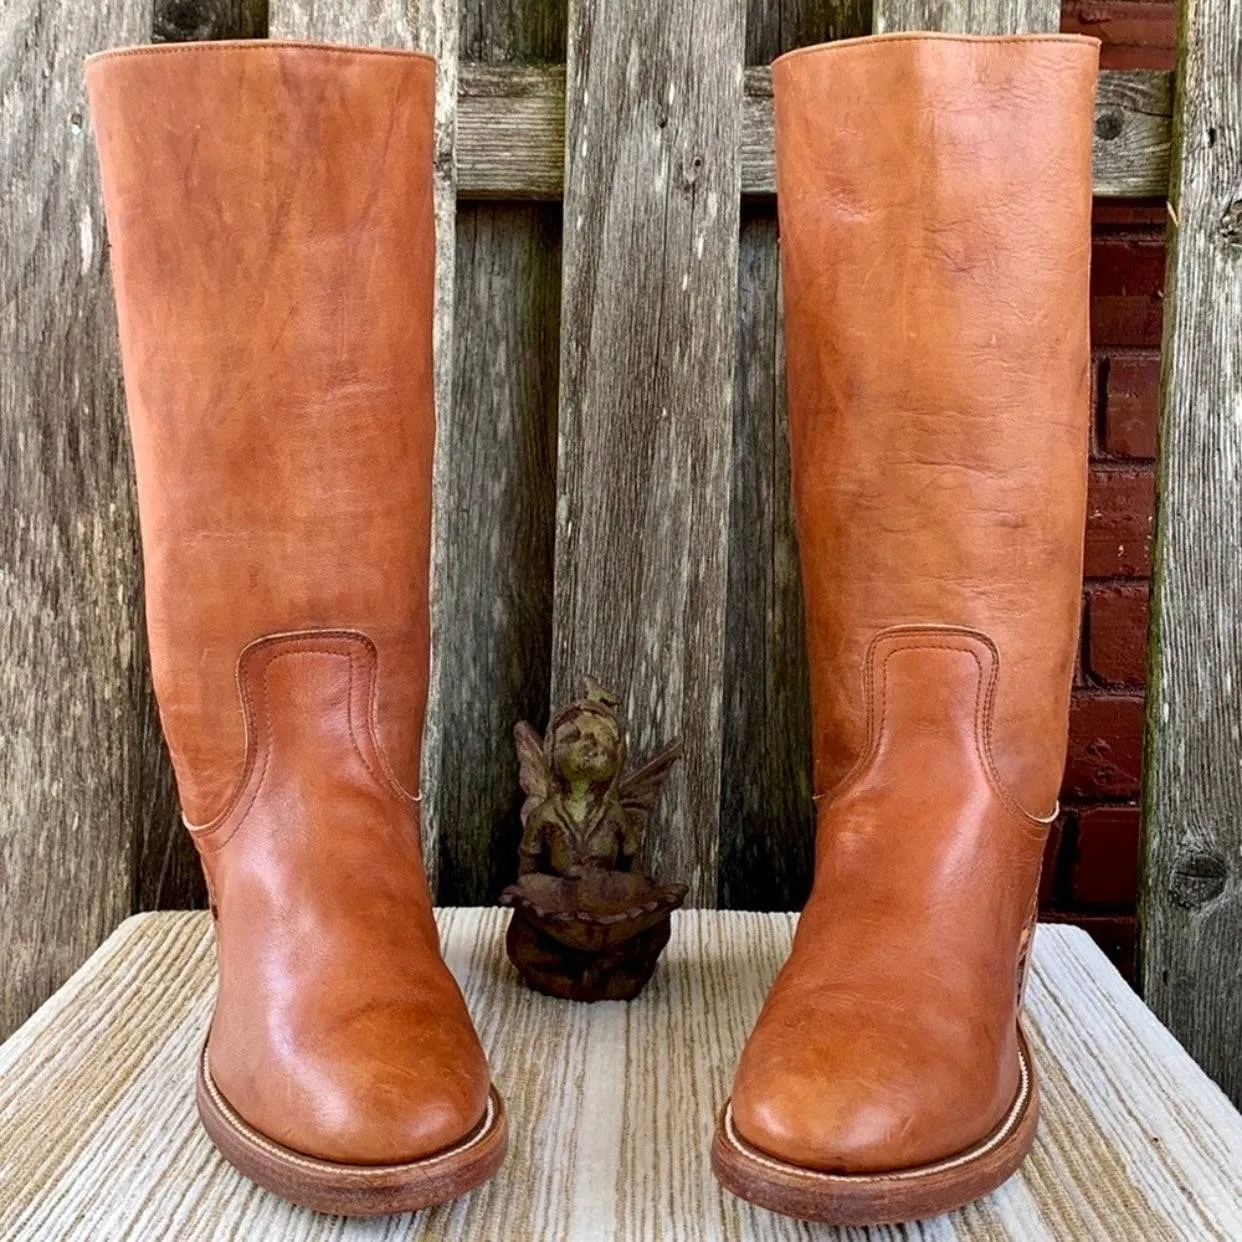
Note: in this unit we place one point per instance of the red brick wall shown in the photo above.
(1091, 871)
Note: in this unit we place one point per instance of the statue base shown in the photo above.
(593, 937)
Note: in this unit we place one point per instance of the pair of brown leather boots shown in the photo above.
(270, 212)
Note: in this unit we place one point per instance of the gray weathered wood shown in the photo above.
(498, 487)
(74, 762)
(430, 26)
(650, 283)
(510, 132)
(776, 26)
(1191, 899)
(1133, 129)
(184, 21)
(518, 30)
(427, 25)
(167, 874)
(767, 819)
(497, 517)
(968, 16)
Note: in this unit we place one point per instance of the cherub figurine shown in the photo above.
(580, 813)
(587, 924)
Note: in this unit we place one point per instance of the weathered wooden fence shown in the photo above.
(612, 473)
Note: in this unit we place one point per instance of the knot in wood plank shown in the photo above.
(1198, 878)
(1231, 224)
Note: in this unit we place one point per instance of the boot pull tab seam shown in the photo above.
(950, 638)
(268, 650)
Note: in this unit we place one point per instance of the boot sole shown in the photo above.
(352, 1189)
(881, 1198)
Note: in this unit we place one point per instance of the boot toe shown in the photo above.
(817, 1123)
(395, 1114)
(405, 1098)
(845, 1100)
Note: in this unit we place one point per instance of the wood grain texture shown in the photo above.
(767, 819)
(499, 488)
(75, 764)
(1133, 131)
(510, 131)
(611, 1106)
(517, 30)
(497, 516)
(185, 21)
(1191, 891)
(647, 313)
(428, 26)
(776, 26)
(968, 16)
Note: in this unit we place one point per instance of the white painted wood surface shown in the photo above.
(611, 1106)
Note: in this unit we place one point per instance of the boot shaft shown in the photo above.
(270, 218)
(935, 204)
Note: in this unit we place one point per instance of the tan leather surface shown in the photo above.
(263, 202)
(270, 217)
(890, 1038)
(337, 1028)
(935, 205)
(934, 197)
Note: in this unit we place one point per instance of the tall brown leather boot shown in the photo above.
(270, 215)
(935, 200)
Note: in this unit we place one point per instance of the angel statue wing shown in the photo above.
(639, 791)
(534, 775)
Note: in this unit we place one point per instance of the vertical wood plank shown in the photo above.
(517, 32)
(968, 16)
(429, 26)
(776, 26)
(767, 819)
(186, 21)
(498, 520)
(652, 192)
(72, 692)
(1191, 892)
(498, 494)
